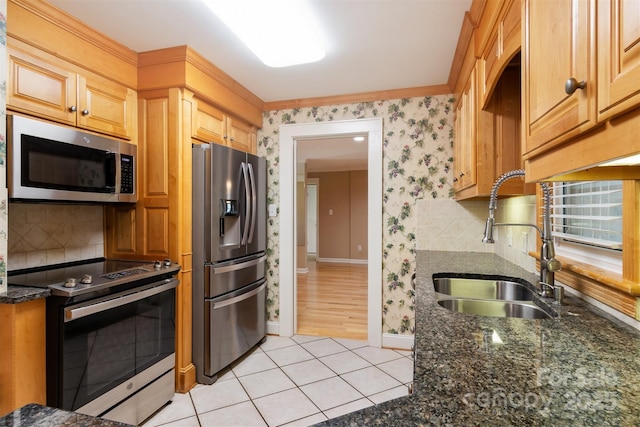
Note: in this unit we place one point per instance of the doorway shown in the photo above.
(289, 137)
(312, 219)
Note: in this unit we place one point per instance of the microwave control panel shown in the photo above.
(126, 174)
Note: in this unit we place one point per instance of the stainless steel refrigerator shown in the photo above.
(229, 243)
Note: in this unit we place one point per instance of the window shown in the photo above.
(587, 222)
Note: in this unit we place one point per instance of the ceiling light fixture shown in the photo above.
(280, 32)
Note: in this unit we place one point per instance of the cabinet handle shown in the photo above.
(455, 179)
(572, 84)
(73, 109)
(85, 112)
(461, 174)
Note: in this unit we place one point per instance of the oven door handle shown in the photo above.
(71, 314)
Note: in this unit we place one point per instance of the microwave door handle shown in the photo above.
(247, 208)
(254, 202)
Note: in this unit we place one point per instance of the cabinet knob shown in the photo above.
(232, 139)
(85, 112)
(461, 174)
(572, 84)
(225, 136)
(73, 109)
(455, 179)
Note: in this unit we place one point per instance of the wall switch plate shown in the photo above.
(359, 247)
(330, 211)
(273, 210)
(509, 237)
(525, 242)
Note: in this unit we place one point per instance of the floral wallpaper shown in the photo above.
(417, 156)
(3, 147)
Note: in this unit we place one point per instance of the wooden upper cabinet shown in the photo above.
(47, 87)
(465, 137)
(558, 45)
(618, 57)
(41, 88)
(210, 124)
(105, 106)
(503, 44)
(242, 136)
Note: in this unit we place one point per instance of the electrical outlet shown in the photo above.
(509, 237)
(525, 242)
(359, 247)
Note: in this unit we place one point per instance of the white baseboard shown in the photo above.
(344, 260)
(273, 328)
(397, 341)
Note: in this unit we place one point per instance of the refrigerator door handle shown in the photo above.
(239, 266)
(247, 206)
(239, 298)
(254, 202)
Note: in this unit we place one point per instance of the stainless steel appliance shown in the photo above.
(229, 244)
(52, 162)
(110, 336)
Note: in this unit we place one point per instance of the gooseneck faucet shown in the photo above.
(548, 263)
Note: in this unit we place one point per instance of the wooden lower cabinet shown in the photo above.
(22, 358)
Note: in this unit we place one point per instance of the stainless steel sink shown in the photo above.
(494, 308)
(487, 289)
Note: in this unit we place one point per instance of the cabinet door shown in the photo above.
(618, 57)
(105, 106)
(502, 46)
(465, 137)
(559, 41)
(208, 123)
(40, 88)
(241, 136)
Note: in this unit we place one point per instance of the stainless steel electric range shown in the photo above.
(110, 335)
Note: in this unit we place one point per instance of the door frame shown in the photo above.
(289, 133)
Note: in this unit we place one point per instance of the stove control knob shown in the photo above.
(167, 262)
(86, 279)
(157, 264)
(70, 283)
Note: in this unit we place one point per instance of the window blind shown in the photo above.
(588, 212)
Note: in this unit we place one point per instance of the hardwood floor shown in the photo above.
(332, 300)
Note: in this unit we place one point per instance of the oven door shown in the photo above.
(107, 342)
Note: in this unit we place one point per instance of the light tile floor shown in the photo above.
(296, 381)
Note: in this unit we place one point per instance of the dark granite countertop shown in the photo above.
(18, 294)
(581, 369)
(38, 415)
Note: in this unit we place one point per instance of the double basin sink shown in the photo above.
(487, 296)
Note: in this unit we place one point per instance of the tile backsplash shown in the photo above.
(448, 225)
(44, 234)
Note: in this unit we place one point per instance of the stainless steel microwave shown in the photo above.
(51, 162)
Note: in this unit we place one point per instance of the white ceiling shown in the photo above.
(373, 44)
